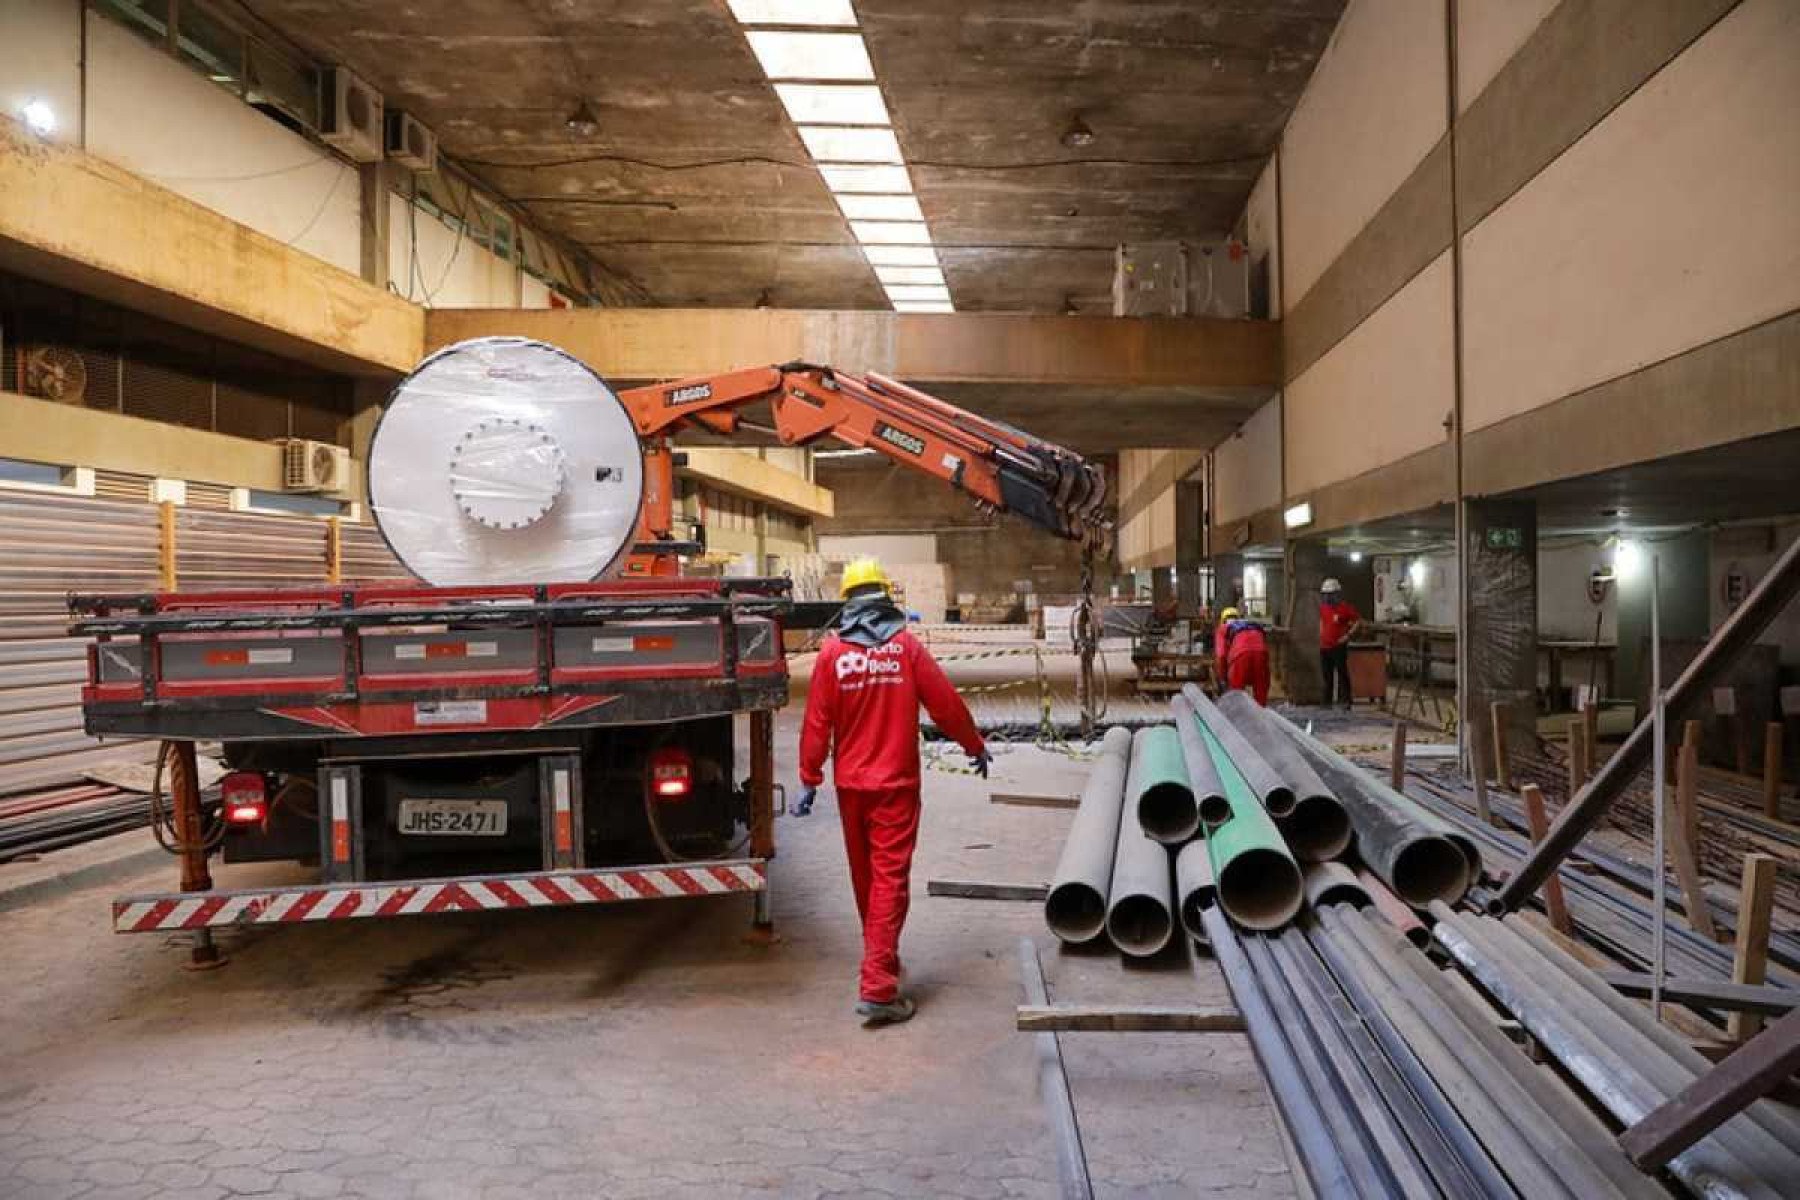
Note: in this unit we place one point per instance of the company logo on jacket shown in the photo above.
(857, 666)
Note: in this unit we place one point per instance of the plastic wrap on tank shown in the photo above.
(504, 460)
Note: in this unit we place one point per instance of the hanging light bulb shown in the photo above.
(582, 122)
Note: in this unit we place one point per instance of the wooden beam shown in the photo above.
(1590, 737)
(1756, 1069)
(1681, 825)
(1750, 958)
(1539, 824)
(1577, 756)
(1026, 800)
(1129, 1018)
(1502, 760)
(1397, 758)
(978, 890)
(1708, 993)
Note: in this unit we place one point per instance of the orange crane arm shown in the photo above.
(1002, 468)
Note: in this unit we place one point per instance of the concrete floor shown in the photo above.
(642, 1051)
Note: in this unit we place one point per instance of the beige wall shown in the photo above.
(1147, 498)
(1247, 467)
(1373, 110)
(1379, 395)
(40, 59)
(429, 264)
(1262, 227)
(1674, 222)
(1488, 32)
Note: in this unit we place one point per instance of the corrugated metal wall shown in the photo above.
(51, 545)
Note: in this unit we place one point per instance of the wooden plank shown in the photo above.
(1130, 1018)
(1750, 959)
(1756, 1069)
(972, 889)
(1053, 1085)
(1708, 993)
(1682, 828)
(1590, 737)
(1397, 758)
(1577, 756)
(1026, 800)
(1478, 771)
(1772, 771)
(1539, 823)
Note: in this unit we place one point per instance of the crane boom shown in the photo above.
(1003, 469)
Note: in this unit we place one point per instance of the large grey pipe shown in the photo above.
(1418, 863)
(1277, 797)
(1161, 796)
(1195, 889)
(1203, 777)
(1139, 916)
(1075, 908)
(1318, 829)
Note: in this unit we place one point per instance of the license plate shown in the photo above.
(457, 818)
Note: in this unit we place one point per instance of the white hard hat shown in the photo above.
(1331, 585)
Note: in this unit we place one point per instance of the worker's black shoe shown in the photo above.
(876, 1014)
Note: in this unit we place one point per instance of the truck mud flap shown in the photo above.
(419, 897)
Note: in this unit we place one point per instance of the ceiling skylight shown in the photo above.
(827, 85)
(793, 12)
(833, 143)
(833, 103)
(788, 55)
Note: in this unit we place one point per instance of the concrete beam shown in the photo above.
(79, 222)
(629, 344)
(744, 473)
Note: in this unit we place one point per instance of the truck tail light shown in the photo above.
(671, 773)
(245, 799)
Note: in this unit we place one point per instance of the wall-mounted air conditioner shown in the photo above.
(409, 143)
(350, 115)
(308, 466)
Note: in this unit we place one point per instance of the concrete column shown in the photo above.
(367, 398)
(1309, 563)
(1228, 581)
(376, 181)
(1190, 526)
(1497, 643)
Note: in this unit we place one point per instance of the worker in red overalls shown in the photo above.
(1338, 623)
(868, 682)
(1242, 653)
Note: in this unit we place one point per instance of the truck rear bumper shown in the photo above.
(159, 912)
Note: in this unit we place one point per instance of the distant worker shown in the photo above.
(1242, 653)
(868, 682)
(1338, 620)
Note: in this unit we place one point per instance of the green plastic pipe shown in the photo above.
(1258, 879)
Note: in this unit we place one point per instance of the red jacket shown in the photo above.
(863, 708)
(1237, 638)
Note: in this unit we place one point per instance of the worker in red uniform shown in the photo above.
(868, 682)
(1242, 652)
(1338, 620)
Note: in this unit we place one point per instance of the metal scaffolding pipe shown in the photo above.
(1075, 908)
(1162, 797)
(1764, 603)
(1333, 883)
(1195, 891)
(1393, 909)
(1258, 880)
(1139, 909)
(1708, 1168)
(1277, 797)
(1419, 864)
(1318, 828)
(1318, 1152)
(1203, 777)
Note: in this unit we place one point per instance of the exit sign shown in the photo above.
(1505, 538)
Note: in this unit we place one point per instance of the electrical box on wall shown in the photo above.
(350, 115)
(410, 143)
(1178, 279)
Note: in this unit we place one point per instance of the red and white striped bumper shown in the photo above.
(350, 901)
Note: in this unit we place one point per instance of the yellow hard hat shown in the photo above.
(861, 573)
(1230, 614)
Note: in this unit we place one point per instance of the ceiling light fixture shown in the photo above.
(866, 180)
(1078, 134)
(850, 143)
(918, 291)
(581, 121)
(900, 256)
(38, 116)
(833, 103)
(793, 12)
(924, 306)
(904, 275)
(891, 233)
(880, 208)
(811, 56)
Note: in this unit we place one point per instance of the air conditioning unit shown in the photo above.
(409, 143)
(350, 115)
(308, 466)
(1178, 279)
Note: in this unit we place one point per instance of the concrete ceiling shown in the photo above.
(698, 190)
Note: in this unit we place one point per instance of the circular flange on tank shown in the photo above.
(504, 460)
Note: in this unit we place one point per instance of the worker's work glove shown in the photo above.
(979, 763)
(802, 805)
